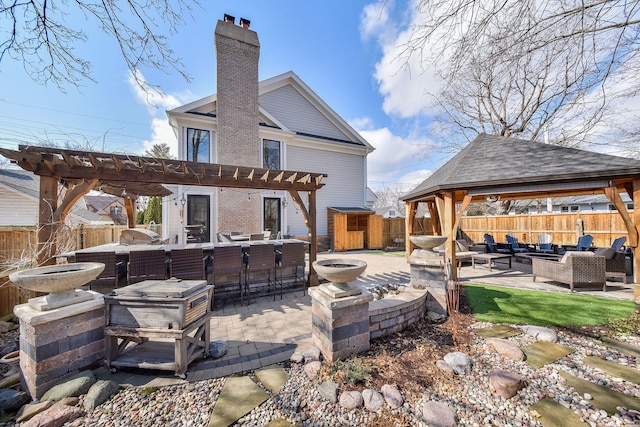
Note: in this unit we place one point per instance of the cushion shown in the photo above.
(607, 253)
(462, 245)
(569, 254)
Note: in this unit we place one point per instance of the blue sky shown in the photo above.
(346, 51)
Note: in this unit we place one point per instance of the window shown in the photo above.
(630, 206)
(271, 154)
(115, 211)
(198, 143)
(271, 215)
(572, 208)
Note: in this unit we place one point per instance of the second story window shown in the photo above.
(271, 154)
(115, 210)
(198, 143)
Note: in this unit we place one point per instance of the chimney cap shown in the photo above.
(230, 19)
(245, 23)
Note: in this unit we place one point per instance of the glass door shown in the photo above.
(199, 214)
(271, 215)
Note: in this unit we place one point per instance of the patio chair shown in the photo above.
(545, 244)
(226, 268)
(261, 259)
(224, 238)
(516, 247)
(584, 242)
(575, 268)
(616, 262)
(290, 259)
(618, 243)
(113, 274)
(493, 247)
(147, 265)
(188, 264)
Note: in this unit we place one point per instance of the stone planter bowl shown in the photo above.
(340, 270)
(57, 278)
(427, 242)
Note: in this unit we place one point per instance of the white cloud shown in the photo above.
(161, 132)
(374, 19)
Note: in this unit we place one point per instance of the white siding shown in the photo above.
(17, 210)
(294, 111)
(344, 185)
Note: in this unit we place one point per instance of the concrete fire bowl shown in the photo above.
(340, 271)
(57, 278)
(427, 242)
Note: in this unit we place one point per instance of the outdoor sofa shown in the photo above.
(575, 268)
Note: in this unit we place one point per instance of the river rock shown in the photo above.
(73, 386)
(217, 349)
(540, 333)
(506, 348)
(10, 380)
(441, 364)
(12, 400)
(505, 383)
(56, 416)
(328, 390)
(459, 362)
(351, 399)
(99, 393)
(32, 409)
(312, 355)
(297, 357)
(312, 368)
(392, 396)
(439, 414)
(372, 400)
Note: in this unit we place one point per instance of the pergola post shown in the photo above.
(47, 225)
(313, 234)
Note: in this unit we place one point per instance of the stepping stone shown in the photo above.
(553, 414)
(272, 377)
(280, 422)
(498, 331)
(542, 352)
(238, 397)
(603, 397)
(614, 369)
(623, 347)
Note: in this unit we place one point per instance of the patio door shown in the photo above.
(271, 215)
(199, 213)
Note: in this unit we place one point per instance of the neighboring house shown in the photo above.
(389, 212)
(278, 123)
(371, 198)
(594, 203)
(20, 195)
(107, 206)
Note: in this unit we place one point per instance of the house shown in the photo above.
(389, 212)
(109, 207)
(279, 124)
(593, 203)
(20, 195)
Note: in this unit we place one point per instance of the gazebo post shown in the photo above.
(636, 221)
(449, 231)
(410, 210)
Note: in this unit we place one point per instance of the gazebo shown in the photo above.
(67, 175)
(499, 168)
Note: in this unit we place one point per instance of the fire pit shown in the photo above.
(425, 245)
(60, 281)
(340, 272)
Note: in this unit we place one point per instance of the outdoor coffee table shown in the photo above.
(528, 257)
(490, 259)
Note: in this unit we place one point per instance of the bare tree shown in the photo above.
(526, 68)
(39, 34)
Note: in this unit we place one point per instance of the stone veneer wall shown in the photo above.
(60, 342)
(390, 315)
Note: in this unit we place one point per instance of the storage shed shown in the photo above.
(354, 228)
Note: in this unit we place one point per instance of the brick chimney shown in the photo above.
(237, 52)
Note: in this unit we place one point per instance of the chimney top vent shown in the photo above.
(230, 19)
(245, 23)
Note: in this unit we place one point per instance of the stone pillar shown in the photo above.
(426, 273)
(59, 342)
(340, 326)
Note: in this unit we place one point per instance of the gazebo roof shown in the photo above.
(516, 168)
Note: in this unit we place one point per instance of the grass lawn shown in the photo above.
(517, 306)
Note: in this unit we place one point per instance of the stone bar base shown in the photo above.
(431, 278)
(59, 342)
(340, 326)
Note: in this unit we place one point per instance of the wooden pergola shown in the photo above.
(493, 167)
(67, 175)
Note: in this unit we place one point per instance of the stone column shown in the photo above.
(59, 342)
(426, 273)
(340, 325)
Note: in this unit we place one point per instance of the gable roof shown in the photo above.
(286, 103)
(499, 165)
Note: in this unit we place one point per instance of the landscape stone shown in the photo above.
(312, 368)
(99, 392)
(312, 355)
(328, 390)
(10, 380)
(217, 349)
(438, 414)
(73, 386)
(32, 409)
(5, 326)
(505, 383)
(392, 396)
(56, 416)
(272, 378)
(12, 400)
(297, 357)
(459, 361)
(372, 400)
(69, 401)
(351, 399)
(441, 364)
(541, 333)
(506, 348)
